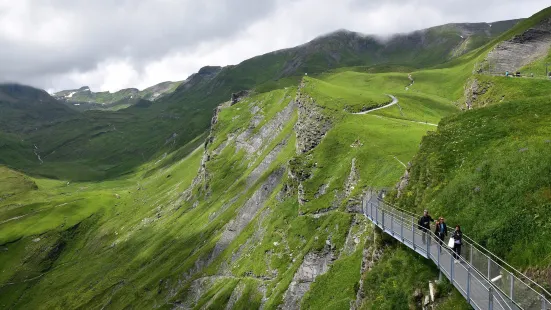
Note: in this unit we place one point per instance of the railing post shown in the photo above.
(438, 257)
(469, 285)
(511, 286)
(543, 304)
(402, 227)
(377, 216)
(392, 223)
(383, 217)
(490, 298)
(428, 237)
(413, 239)
(489, 268)
(451, 268)
(471, 255)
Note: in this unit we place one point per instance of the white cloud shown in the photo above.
(109, 45)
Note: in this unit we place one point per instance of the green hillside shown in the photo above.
(197, 202)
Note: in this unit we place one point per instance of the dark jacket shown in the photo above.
(458, 235)
(437, 229)
(424, 222)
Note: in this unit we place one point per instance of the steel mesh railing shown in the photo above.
(485, 280)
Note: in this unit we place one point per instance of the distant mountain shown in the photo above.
(102, 143)
(23, 108)
(84, 99)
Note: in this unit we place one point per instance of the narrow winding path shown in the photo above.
(394, 101)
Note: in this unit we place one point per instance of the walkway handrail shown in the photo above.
(518, 292)
(544, 293)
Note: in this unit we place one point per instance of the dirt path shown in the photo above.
(394, 101)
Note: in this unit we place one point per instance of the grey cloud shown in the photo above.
(44, 43)
(102, 29)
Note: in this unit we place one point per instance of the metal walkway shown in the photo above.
(486, 282)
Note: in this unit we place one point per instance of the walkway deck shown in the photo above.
(485, 284)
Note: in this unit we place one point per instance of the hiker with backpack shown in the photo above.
(424, 224)
(457, 241)
(441, 230)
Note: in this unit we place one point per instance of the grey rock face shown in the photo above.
(312, 124)
(252, 143)
(522, 49)
(404, 181)
(313, 265)
(247, 212)
(236, 97)
(265, 164)
(352, 180)
(473, 90)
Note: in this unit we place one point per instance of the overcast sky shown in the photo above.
(114, 44)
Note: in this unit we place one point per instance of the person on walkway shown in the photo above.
(424, 224)
(457, 241)
(441, 230)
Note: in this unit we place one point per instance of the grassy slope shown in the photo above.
(493, 164)
(139, 240)
(139, 233)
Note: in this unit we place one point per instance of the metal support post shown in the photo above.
(489, 268)
(471, 255)
(438, 257)
(490, 298)
(511, 286)
(377, 216)
(428, 237)
(413, 241)
(451, 268)
(392, 223)
(402, 227)
(469, 285)
(383, 217)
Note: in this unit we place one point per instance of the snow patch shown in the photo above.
(71, 94)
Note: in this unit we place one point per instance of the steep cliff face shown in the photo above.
(522, 49)
(312, 124)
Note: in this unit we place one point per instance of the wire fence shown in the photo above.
(486, 281)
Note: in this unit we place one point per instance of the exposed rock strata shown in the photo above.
(246, 213)
(474, 89)
(522, 49)
(313, 265)
(252, 142)
(312, 124)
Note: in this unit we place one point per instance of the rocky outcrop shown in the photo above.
(252, 142)
(265, 164)
(522, 49)
(352, 179)
(246, 213)
(313, 265)
(236, 97)
(404, 181)
(371, 255)
(474, 89)
(312, 124)
(201, 179)
(354, 236)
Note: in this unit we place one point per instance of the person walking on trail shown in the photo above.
(441, 230)
(457, 241)
(424, 224)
